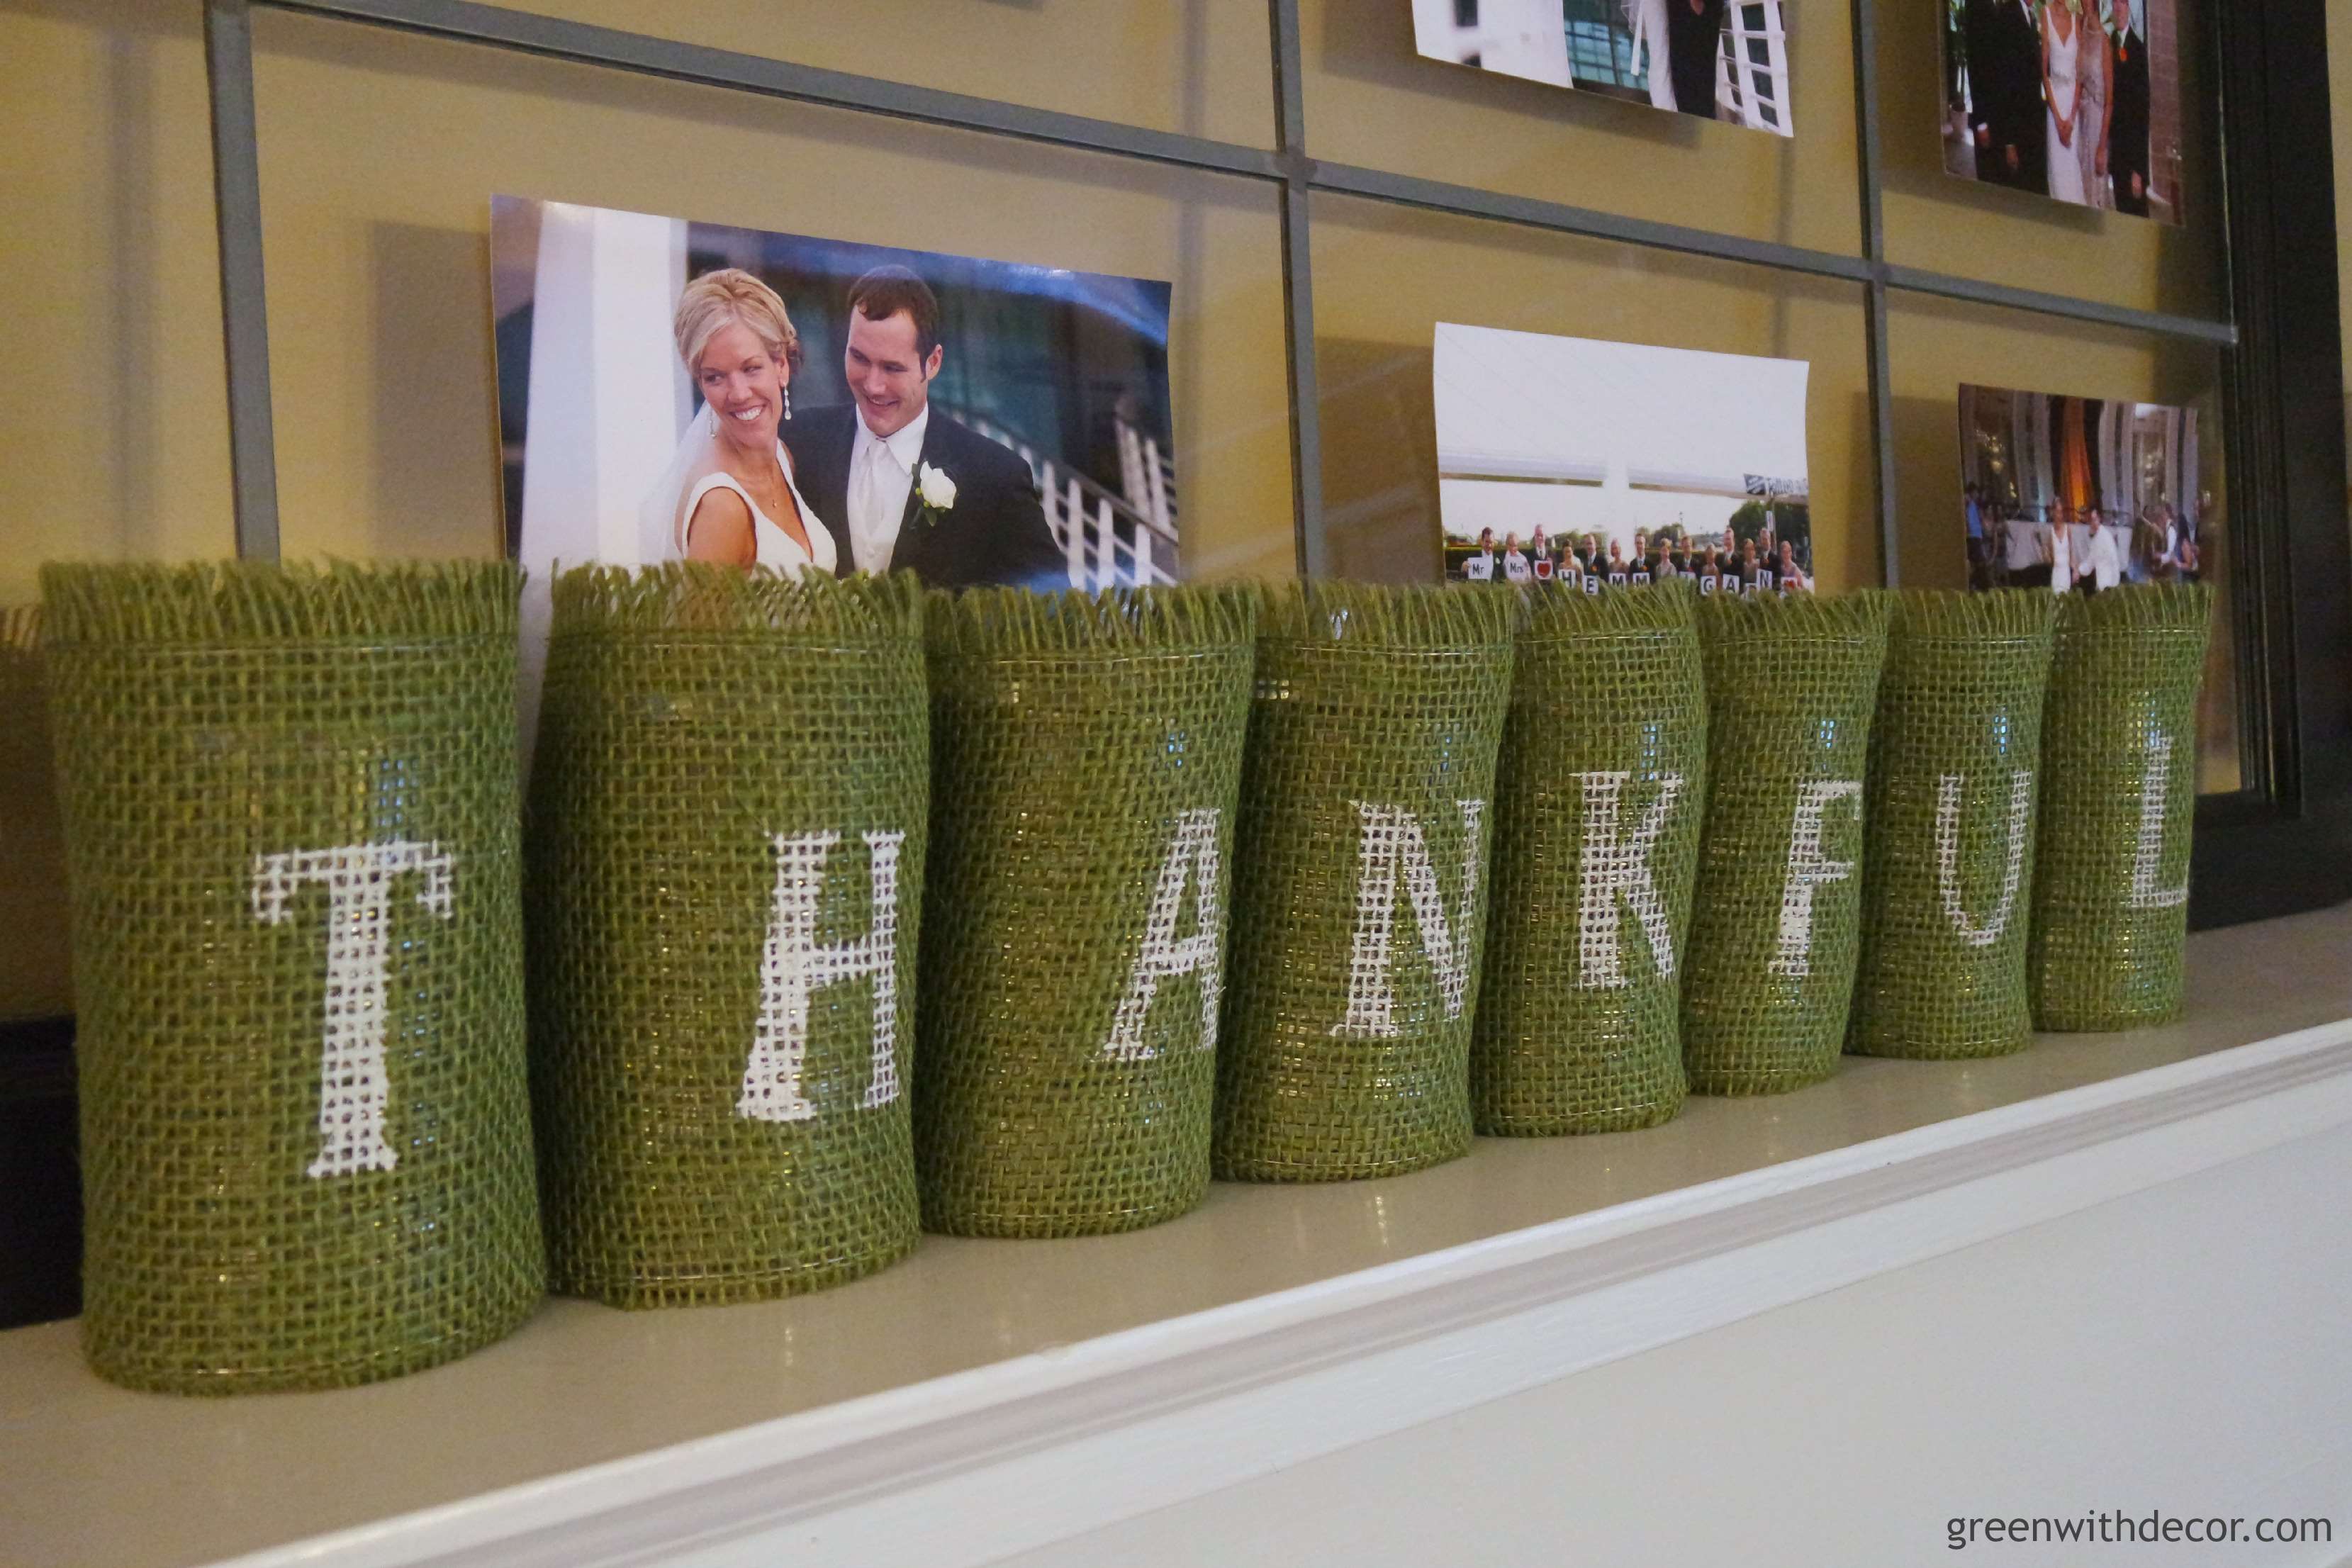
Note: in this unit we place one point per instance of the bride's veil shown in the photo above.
(661, 521)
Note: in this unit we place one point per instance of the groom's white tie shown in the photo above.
(867, 526)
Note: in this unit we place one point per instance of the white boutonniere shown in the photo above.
(936, 491)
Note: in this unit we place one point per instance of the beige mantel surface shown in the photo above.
(98, 1475)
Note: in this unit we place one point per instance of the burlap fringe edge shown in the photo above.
(270, 601)
(1374, 615)
(1954, 614)
(1862, 616)
(998, 623)
(701, 596)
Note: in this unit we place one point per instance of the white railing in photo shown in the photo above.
(1752, 70)
(1147, 475)
(1108, 542)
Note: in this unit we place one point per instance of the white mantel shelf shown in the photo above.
(984, 1398)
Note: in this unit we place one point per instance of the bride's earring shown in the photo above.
(788, 403)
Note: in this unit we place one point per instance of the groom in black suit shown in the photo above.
(2127, 149)
(2006, 114)
(861, 465)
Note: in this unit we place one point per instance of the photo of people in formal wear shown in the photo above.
(1716, 60)
(1618, 464)
(2076, 99)
(670, 390)
(2078, 494)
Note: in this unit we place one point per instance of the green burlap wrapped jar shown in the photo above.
(291, 818)
(2118, 801)
(1948, 856)
(1597, 809)
(1085, 761)
(729, 815)
(1358, 913)
(1791, 685)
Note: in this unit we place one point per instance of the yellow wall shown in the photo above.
(379, 151)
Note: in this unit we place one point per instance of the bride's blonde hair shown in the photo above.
(730, 297)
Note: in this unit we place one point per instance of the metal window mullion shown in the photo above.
(1299, 293)
(245, 324)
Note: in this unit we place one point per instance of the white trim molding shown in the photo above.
(968, 1469)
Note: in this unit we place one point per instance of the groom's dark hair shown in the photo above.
(886, 291)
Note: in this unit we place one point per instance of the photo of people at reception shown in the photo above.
(2076, 99)
(674, 389)
(2078, 494)
(1717, 60)
(1618, 464)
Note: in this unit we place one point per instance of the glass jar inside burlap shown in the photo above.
(1087, 757)
(729, 804)
(2118, 803)
(1360, 894)
(1947, 857)
(291, 819)
(1598, 805)
(1791, 685)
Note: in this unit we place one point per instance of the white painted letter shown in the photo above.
(354, 1090)
(1393, 838)
(1808, 869)
(1617, 866)
(1192, 854)
(795, 966)
(2153, 789)
(1950, 792)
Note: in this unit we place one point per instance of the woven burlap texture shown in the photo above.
(1792, 686)
(2119, 802)
(1948, 856)
(1598, 805)
(292, 816)
(727, 763)
(1086, 757)
(1359, 911)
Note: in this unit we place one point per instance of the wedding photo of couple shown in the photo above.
(1717, 60)
(2074, 99)
(678, 390)
(2078, 494)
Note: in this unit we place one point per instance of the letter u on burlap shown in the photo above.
(1948, 859)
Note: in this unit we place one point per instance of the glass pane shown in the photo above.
(1946, 223)
(1937, 347)
(1202, 68)
(380, 152)
(1373, 100)
(1384, 277)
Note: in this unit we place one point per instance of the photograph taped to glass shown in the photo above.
(1588, 463)
(2077, 494)
(2074, 99)
(1717, 59)
(669, 389)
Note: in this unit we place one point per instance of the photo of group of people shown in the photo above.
(673, 390)
(1717, 59)
(2077, 494)
(2076, 99)
(1758, 561)
(1619, 463)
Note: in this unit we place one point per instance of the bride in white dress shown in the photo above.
(728, 494)
(2062, 48)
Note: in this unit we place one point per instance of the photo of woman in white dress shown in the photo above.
(2062, 47)
(730, 495)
